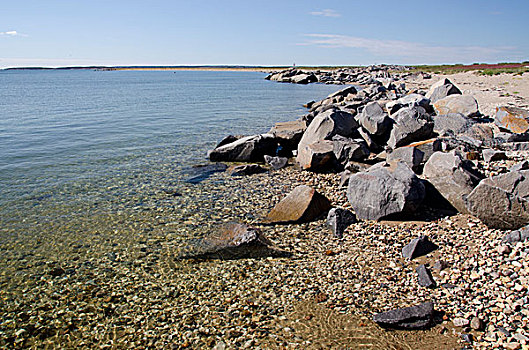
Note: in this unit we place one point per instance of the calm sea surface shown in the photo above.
(93, 139)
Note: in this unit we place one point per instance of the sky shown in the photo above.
(261, 33)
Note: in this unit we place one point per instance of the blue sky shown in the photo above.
(245, 32)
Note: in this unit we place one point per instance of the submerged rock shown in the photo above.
(233, 241)
(303, 204)
(203, 171)
(246, 169)
(413, 317)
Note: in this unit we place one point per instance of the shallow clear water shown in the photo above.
(94, 138)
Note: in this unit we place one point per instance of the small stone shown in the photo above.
(339, 219)
(425, 278)
(504, 249)
(413, 317)
(467, 338)
(418, 247)
(476, 323)
(460, 322)
(512, 345)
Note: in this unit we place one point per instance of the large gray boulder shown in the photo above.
(413, 317)
(303, 204)
(464, 104)
(502, 201)
(383, 191)
(411, 124)
(374, 120)
(318, 156)
(453, 176)
(232, 241)
(247, 149)
(304, 78)
(513, 119)
(455, 123)
(327, 124)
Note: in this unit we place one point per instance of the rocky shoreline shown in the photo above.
(404, 154)
(106, 287)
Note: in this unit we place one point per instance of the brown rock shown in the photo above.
(513, 119)
(317, 156)
(303, 204)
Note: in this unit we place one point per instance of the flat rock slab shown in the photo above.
(418, 247)
(246, 169)
(303, 204)
(513, 119)
(203, 171)
(413, 317)
(232, 241)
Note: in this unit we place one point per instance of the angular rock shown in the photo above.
(303, 204)
(460, 322)
(413, 317)
(228, 139)
(515, 146)
(427, 147)
(456, 123)
(464, 104)
(289, 133)
(276, 162)
(441, 89)
(490, 155)
(374, 120)
(411, 124)
(507, 200)
(246, 169)
(339, 219)
(408, 101)
(520, 235)
(318, 156)
(412, 156)
(247, 149)
(523, 165)
(304, 79)
(418, 247)
(513, 119)
(346, 149)
(425, 277)
(382, 191)
(232, 241)
(453, 176)
(327, 124)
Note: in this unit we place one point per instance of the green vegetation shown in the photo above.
(480, 68)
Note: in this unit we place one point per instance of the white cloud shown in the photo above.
(414, 51)
(326, 13)
(12, 33)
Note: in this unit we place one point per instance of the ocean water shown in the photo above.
(72, 142)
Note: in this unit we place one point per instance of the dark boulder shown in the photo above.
(490, 155)
(412, 156)
(303, 204)
(411, 124)
(384, 191)
(374, 120)
(289, 133)
(413, 317)
(346, 149)
(276, 162)
(232, 241)
(339, 219)
(247, 149)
